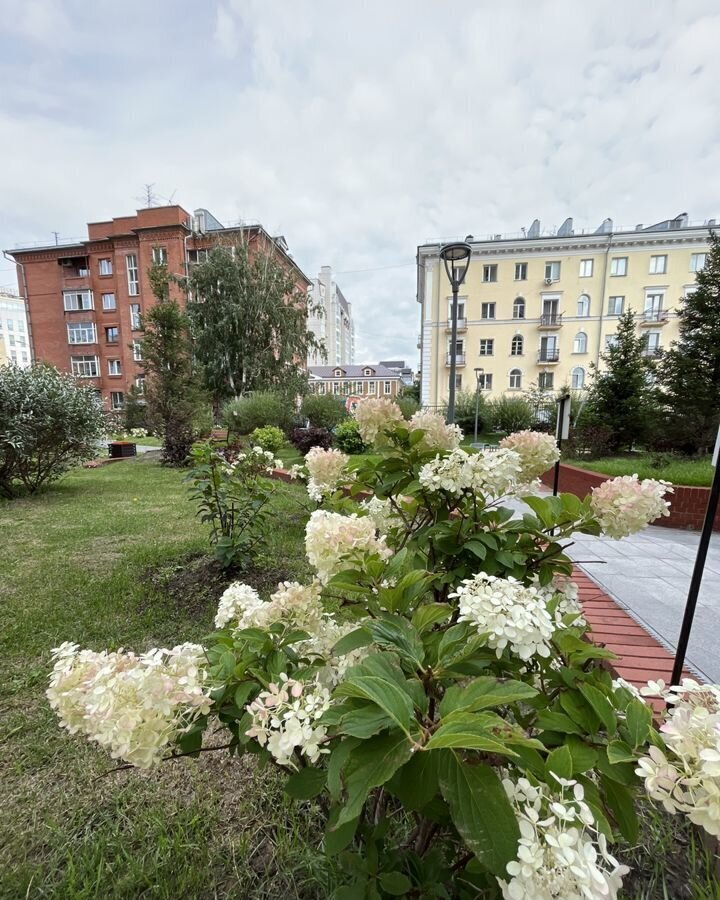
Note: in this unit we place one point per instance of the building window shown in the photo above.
(577, 378)
(81, 333)
(586, 268)
(386, 387)
(583, 306)
(117, 399)
(697, 261)
(112, 334)
(367, 372)
(338, 373)
(105, 266)
(135, 316)
(546, 380)
(487, 346)
(460, 309)
(484, 381)
(159, 256)
(610, 341)
(616, 305)
(108, 301)
(653, 306)
(618, 265)
(140, 384)
(580, 343)
(487, 311)
(519, 308)
(114, 367)
(658, 265)
(515, 379)
(371, 387)
(137, 351)
(76, 300)
(490, 272)
(132, 274)
(652, 342)
(320, 388)
(197, 256)
(517, 345)
(520, 271)
(85, 366)
(552, 271)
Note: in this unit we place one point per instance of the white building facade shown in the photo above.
(331, 322)
(14, 332)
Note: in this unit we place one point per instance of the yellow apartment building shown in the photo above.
(536, 309)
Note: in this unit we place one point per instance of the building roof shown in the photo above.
(393, 363)
(379, 371)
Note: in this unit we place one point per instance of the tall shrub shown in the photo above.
(48, 423)
(510, 414)
(323, 410)
(244, 414)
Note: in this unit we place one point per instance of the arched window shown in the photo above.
(578, 378)
(583, 306)
(516, 345)
(515, 378)
(580, 344)
(519, 308)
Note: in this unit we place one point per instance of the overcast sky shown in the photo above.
(359, 129)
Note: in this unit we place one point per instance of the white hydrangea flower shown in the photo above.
(687, 778)
(297, 471)
(561, 854)
(327, 468)
(625, 504)
(292, 603)
(134, 706)
(374, 415)
(511, 614)
(438, 435)
(284, 719)
(566, 594)
(239, 603)
(538, 453)
(382, 514)
(493, 473)
(331, 538)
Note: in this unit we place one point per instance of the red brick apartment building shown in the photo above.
(84, 300)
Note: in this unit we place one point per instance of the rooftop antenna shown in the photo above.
(148, 197)
(57, 235)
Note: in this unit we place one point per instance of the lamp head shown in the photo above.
(456, 257)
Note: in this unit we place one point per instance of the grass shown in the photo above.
(90, 561)
(692, 472)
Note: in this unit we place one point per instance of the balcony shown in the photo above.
(419, 342)
(459, 359)
(654, 317)
(548, 356)
(550, 320)
(461, 324)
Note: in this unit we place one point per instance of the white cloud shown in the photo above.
(359, 130)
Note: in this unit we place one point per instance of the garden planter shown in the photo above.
(121, 449)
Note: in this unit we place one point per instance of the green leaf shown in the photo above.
(430, 614)
(580, 711)
(480, 811)
(601, 705)
(338, 760)
(418, 781)
(477, 548)
(337, 837)
(556, 721)
(620, 752)
(398, 634)
(364, 722)
(620, 803)
(306, 784)
(571, 758)
(484, 693)
(389, 696)
(470, 731)
(638, 721)
(394, 883)
(370, 765)
(361, 637)
(243, 691)
(560, 762)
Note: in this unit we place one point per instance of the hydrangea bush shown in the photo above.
(433, 685)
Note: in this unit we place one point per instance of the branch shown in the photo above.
(168, 758)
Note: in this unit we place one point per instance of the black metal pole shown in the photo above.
(453, 348)
(477, 406)
(558, 437)
(697, 575)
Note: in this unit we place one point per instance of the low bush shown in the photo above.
(270, 437)
(408, 406)
(244, 414)
(323, 410)
(304, 439)
(510, 414)
(47, 425)
(465, 412)
(346, 437)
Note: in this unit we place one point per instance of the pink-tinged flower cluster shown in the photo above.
(625, 505)
(538, 452)
(493, 474)
(566, 596)
(510, 614)
(561, 854)
(438, 435)
(328, 469)
(134, 706)
(374, 415)
(332, 539)
(686, 777)
(292, 603)
(284, 719)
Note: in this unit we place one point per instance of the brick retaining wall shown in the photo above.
(687, 504)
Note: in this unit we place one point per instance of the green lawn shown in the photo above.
(677, 471)
(109, 558)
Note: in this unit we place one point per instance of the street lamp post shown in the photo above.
(478, 373)
(457, 259)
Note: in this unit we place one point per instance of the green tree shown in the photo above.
(621, 397)
(248, 321)
(173, 397)
(690, 369)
